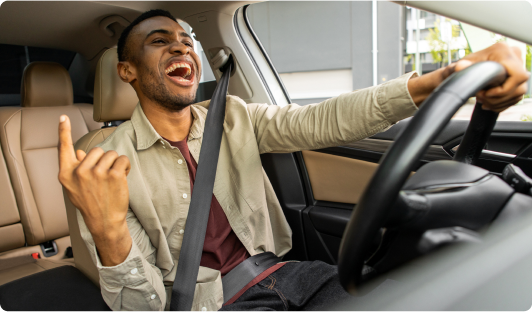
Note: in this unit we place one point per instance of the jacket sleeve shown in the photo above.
(347, 118)
(136, 283)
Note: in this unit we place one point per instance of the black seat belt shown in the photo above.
(198, 213)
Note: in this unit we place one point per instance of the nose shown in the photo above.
(180, 48)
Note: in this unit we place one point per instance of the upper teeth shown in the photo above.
(179, 65)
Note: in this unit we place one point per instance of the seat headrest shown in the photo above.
(46, 84)
(113, 99)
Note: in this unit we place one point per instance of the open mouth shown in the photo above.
(181, 72)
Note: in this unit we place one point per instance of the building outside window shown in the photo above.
(438, 36)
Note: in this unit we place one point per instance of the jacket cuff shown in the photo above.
(395, 100)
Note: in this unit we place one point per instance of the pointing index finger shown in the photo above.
(67, 156)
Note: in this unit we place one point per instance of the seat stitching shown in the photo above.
(39, 148)
(37, 264)
(100, 132)
(25, 204)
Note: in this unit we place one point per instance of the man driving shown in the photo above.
(133, 191)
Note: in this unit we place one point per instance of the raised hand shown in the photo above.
(96, 183)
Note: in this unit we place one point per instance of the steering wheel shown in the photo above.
(376, 204)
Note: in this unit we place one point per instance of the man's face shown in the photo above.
(167, 68)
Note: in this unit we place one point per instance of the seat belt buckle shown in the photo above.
(36, 256)
(49, 248)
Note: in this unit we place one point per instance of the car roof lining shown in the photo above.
(75, 25)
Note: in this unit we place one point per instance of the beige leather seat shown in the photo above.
(29, 138)
(114, 100)
(11, 232)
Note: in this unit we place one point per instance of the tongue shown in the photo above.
(181, 72)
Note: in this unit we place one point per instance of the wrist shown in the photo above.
(110, 233)
(422, 86)
(104, 226)
(113, 245)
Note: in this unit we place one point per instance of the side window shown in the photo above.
(13, 60)
(207, 81)
(331, 48)
(310, 45)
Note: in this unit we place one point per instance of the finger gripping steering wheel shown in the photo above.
(396, 165)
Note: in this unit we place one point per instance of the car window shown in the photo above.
(13, 60)
(337, 47)
(207, 81)
(312, 53)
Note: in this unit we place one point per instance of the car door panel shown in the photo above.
(283, 171)
(337, 179)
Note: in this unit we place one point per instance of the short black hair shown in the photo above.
(123, 51)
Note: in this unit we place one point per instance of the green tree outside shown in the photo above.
(438, 47)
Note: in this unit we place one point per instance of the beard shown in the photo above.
(153, 86)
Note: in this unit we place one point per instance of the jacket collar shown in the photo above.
(146, 134)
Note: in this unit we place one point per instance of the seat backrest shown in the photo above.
(29, 139)
(114, 100)
(11, 232)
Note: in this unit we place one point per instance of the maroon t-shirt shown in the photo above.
(222, 250)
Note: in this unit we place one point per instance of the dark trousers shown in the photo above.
(308, 285)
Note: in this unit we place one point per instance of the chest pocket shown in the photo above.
(246, 174)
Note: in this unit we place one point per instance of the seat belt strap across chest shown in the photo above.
(200, 203)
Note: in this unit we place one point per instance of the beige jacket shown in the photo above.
(159, 185)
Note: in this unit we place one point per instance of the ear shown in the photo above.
(126, 71)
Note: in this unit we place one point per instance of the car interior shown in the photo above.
(327, 195)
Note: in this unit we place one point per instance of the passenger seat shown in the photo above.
(114, 102)
(29, 139)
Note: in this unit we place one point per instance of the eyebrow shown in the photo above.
(167, 32)
(160, 31)
(184, 34)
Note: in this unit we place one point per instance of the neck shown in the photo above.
(172, 125)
